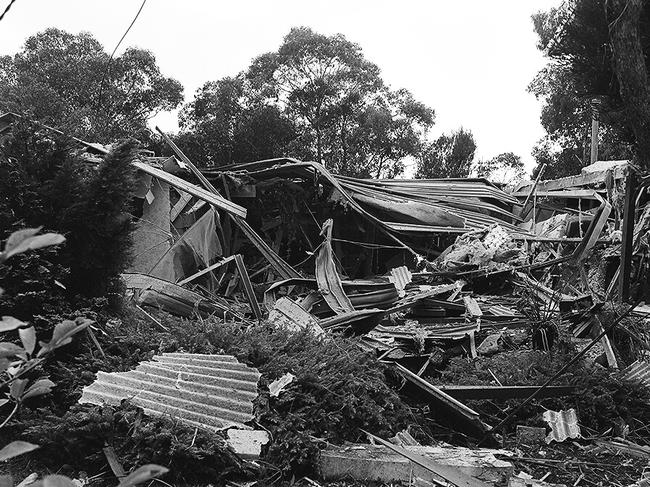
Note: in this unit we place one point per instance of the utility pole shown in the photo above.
(595, 115)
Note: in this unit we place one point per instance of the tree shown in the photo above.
(629, 28)
(69, 81)
(43, 183)
(223, 125)
(385, 132)
(582, 51)
(342, 112)
(506, 168)
(449, 156)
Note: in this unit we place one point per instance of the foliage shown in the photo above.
(449, 156)
(17, 362)
(44, 184)
(77, 440)
(69, 81)
(99, 224)
(317, 98)
(222, 125)
(576, 39)
(338, 390)
(506, 168)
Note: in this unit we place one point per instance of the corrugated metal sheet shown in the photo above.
(401, 277)
(564, 424)
(638, 372)
(212, 392)
(477, 201)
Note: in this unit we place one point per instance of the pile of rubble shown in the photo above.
(421, 271)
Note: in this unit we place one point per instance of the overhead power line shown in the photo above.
(7, 9)
(108, 63)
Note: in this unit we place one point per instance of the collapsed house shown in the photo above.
(419, 270)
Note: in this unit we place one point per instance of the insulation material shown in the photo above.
(212, 392)
(194, 250)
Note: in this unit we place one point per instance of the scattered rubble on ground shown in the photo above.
(471, 296)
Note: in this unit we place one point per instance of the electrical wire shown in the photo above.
(7, 9)
(108, 63)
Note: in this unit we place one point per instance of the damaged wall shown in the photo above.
(152, 236)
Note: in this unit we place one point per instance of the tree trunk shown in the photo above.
(319, 149)
(630, 69)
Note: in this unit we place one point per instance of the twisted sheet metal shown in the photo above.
(211, 392)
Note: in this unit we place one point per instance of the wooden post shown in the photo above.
(531, 193)
(595, 107)
(628, 235)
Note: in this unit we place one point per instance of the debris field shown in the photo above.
(511, 321)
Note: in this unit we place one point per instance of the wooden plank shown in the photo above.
(180, 205)
(450, 474)
(585, 179)
(443, 400)
(472, 307)
(503, 392)
(212, 198)
(206, 270)
(628, 235)
(248, 287)
(604, 341)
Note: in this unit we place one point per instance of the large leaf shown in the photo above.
(28, 337)
(17, 238)
(8, 349)
(38, 388)
(9, 323)
(24, 240)
(63, 333)
(142, 474)
(29, 480)
(17, 388)
(16, 448)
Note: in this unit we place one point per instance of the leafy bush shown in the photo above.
(43, 183)
(338, 389)
(76, 441)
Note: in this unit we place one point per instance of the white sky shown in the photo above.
(471, 60)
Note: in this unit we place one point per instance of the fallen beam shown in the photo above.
(468, 418)
(381, 464)
(504, 392)
(204, 195)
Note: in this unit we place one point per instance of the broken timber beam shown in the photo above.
(503, 392)
(248, 287)
(445, 402)
(451, 474)
(628, 236)
(207, 196)
(202, 272)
